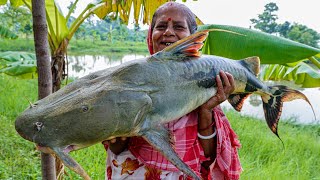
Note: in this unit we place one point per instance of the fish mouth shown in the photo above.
(44, 149)
(25, 136)
(48, 150)
(22, 133)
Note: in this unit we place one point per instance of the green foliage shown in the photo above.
(302, 74)
(300, 33)
(303, 34)
(247, 42)
(270, 49)
(6, 33)
(109, 30)
(23, 64)
(103, 47)
(16, 19)
(266, 21)
(261, 155)
(20, 64)
(16, 154)
(18, 158)
(19, 44)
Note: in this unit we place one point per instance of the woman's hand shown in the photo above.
(117, 145)
(225, 86)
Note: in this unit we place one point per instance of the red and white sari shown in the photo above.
(142, 161)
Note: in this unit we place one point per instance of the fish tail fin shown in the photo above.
(71, 163)
(272, 104)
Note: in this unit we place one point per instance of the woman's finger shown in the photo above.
(224, 79)
(231, 82)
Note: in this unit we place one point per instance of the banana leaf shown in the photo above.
(302, 74)
(20, 64)
(289, 56)
(247, 42)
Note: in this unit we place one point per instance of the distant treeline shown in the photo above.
(109, 30)
(19, 21)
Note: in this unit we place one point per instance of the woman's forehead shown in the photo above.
(171, 14)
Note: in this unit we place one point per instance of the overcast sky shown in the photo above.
(239, 12)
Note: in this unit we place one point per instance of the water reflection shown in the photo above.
(297, 110)
(82, 65)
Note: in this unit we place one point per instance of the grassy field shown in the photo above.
(78, 46)
(262, 154)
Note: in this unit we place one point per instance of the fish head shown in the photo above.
(81, 116)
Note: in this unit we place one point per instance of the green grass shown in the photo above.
(262, 154)
(100, 47)
(19, 44)
(79, 46)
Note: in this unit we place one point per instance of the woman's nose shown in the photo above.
(169, 31)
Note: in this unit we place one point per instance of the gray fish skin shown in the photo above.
(136, 98)
(129, 100)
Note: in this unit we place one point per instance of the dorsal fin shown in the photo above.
(252, 64)
(186, 47)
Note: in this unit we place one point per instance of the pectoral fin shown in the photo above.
(237, 100)
(71, 163)
(160, 139)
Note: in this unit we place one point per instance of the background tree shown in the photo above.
(284, 29)
(300, 33)
(17, 19)
(266, 21)
(300, 71)
(44, 73)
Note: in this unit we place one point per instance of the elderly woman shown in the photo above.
(203, 138)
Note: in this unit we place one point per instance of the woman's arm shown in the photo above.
(225, 86)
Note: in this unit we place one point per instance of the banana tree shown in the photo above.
(60, 34)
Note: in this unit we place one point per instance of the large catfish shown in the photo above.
(137, 97)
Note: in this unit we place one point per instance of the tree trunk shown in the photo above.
(44, 72)
(58, 69)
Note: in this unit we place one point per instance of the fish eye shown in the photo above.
(84, 108)
(38, 126)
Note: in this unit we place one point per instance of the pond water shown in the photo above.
(298, 110)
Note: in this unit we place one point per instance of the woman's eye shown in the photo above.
(179, 27)
(161, 27)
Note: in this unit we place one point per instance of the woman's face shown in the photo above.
(170, 26)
